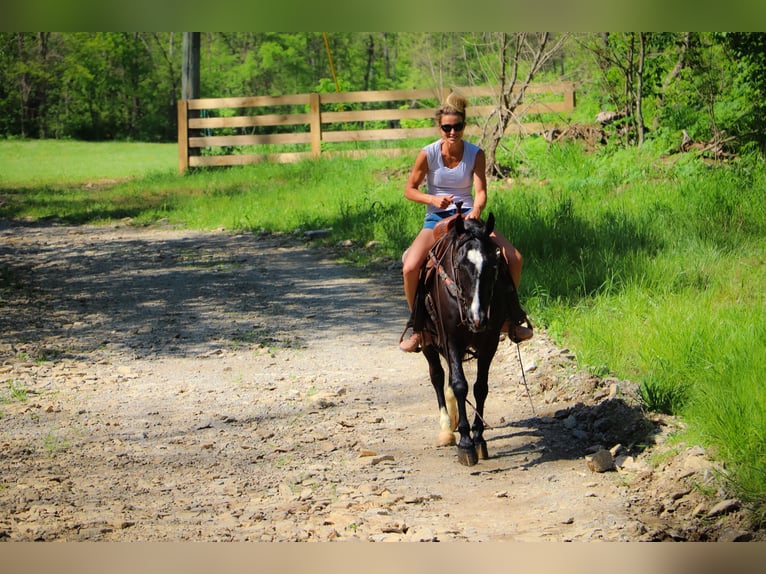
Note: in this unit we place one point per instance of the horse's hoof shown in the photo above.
(446, 438)
(467, 456)
(481, 450)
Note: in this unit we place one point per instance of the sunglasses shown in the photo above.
(447, 128)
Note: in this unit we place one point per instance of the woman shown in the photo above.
(451, 168)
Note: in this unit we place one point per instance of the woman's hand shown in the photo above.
(442, 201)
(474, 214)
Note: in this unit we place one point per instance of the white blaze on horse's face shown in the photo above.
(474, 312)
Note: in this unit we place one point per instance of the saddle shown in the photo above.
(424, 316)
(444, 226)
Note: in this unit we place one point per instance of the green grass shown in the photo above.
(14, 393)
(31, 164)
(650, 268)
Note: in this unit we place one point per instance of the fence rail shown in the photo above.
(209, 123)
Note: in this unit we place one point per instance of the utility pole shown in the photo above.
(190, 79)
(190, 84)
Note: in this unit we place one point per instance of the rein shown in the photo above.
(452, 286)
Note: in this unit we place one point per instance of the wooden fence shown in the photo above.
(206, 127)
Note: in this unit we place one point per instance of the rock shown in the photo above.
(322, 401)
(724, 507)
(699, 510)
(306, 494)
(735, 535)
(421, 534)
(382, 458)
(395, 528)
(626, 462)
(314, 233)
(695, 462)
(601, 461)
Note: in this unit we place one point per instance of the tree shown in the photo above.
(509, 61)
(749, 49)
(621, 60)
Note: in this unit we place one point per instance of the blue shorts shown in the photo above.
(433, 218)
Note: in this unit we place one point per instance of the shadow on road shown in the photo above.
(572, 432)
(71, 290)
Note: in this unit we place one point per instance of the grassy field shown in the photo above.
(31, 164)
(651, 268)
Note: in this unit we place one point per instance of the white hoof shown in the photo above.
(446, 438)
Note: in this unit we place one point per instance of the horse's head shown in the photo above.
(476, 269)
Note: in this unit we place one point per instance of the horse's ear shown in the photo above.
(490, 226)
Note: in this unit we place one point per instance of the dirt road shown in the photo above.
(173, 385)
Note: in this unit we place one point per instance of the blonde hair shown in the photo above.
(454, 104)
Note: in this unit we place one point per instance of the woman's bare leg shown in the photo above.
(512, 256)
(413, 261)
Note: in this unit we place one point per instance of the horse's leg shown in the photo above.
(451, 407)
(436, 372)
(480, 392)
(466, 452)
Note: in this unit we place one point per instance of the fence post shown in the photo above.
(569, 97)
(315, 125)
(183, 136)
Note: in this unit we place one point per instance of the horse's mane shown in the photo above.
(467, 229)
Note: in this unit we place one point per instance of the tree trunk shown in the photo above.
(512, 51)
(640, 87)
(672, 75)
(370, 61)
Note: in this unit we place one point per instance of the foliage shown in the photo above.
(655, 272)
(124, 85)
(749, 51)
(708, 85)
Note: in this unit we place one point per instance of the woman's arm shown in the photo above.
(479, 185)
(417, 176)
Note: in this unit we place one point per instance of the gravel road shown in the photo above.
(169, 385)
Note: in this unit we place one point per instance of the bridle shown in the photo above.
(452, 281)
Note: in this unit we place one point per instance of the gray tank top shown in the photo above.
(457, 181)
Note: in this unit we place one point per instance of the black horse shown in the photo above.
(465, 295)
